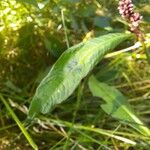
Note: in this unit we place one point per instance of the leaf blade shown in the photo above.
(73, 65)
(116, 104)
(19, 123)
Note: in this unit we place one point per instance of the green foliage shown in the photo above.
(116, 104)
(32, 2)
(1, 42)
(31, 41)
(69, 70)
(18, 122)
(53, 46)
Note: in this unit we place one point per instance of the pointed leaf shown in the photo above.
(116, 104)
(73, 65)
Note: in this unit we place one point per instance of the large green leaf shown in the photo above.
(32, 2)
(72, 66)
(116, 104)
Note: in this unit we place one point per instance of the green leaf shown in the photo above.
(72, 66)
(116, 104)
(32, 2)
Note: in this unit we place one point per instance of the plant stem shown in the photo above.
(65, 29)
(146, 51)
(20, 125)
(79, 96)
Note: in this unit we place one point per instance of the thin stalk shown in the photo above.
(146, 51)
(135, 46)
(65, 29)
(79, 96)
(20, 125)
(96, 130)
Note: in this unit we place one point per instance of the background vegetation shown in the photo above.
(32, 39)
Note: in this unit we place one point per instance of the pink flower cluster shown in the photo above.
(126, 10)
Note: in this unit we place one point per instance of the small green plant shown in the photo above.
(66, 74)
(71, 68)
(76, 62)
(94, 95)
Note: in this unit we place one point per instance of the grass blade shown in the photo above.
(21, 126)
